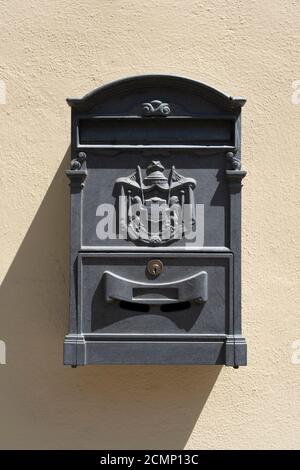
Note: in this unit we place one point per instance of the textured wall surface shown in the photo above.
(51, 50)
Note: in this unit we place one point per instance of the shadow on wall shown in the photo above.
(47, 405)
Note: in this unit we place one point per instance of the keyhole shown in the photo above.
(155, 267)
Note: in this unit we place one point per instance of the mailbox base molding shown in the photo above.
(209, 350)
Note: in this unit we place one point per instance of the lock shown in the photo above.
(155, 267)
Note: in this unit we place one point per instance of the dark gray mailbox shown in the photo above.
(155, 250)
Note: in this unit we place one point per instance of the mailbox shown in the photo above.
(155, 225)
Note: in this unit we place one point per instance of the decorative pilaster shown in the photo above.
(77, 172)
(77, 175)
(235, 344)
(234, 176)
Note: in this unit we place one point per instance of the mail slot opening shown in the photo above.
(175, 307)
(134, 307)
(168, 131)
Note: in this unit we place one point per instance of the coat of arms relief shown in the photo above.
(155, 209)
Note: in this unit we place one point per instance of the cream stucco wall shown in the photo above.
(53, 49)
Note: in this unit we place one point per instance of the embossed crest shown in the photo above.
(153, 209)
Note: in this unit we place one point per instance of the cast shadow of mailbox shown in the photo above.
(88, 407)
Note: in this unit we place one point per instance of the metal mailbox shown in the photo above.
(155, 226)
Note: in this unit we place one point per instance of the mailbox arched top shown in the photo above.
(142, 84)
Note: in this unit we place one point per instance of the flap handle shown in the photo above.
(192, 288)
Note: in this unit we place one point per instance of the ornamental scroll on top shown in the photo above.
(155, 108)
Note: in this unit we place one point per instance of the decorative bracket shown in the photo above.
(76, 174)
(234, 163)
(77, 162)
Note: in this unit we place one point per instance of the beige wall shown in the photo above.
(53, 49)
